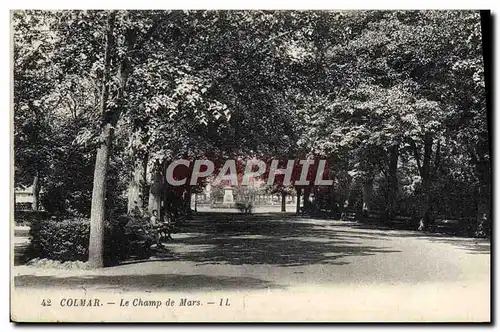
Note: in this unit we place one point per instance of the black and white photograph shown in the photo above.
(251, 166)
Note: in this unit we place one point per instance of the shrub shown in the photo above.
(67, 240)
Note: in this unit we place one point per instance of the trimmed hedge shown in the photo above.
(67, 240)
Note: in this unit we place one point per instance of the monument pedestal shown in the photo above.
(228, 200)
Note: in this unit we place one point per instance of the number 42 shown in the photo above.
(46, 302)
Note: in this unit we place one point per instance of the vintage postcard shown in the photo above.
(251, 166)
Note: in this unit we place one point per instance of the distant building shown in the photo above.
(23, 198)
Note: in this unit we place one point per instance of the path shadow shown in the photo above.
(239, 239)
(146, 282)
(234, 216)
(410, 229)
(471, 246)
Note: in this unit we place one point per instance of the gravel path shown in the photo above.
(283, 253)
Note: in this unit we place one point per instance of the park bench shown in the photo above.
(403, 222)
(140, 238)
(348, 215)
(403, 219)
(373, 215)
(410, 222)
(461, 226)
(142, 235)
(163, 230)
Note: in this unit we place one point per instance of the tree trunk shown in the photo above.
(426, 182)
(144, 181)
(392, 190)
(367, 194)
(297, 200)
(36, 193)
(195, 202)
(97, 213)
(136, 187)
(155, 190)
(307, 194)
(187, 201)
(483, 219)
(283, 201)
(96, 240)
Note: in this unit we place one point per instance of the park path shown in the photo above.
(284, 253)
